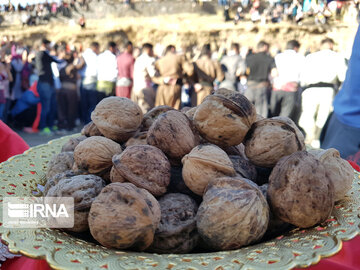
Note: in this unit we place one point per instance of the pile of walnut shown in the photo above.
(214, 177)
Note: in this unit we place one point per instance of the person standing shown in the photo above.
(171, 68)
(143, 92)
(45, 86)
(286, 97)
(107, 72)
(5, 79)
(233, 66)
(343, 131)
(125, 65)
(206, 71)
(322, 70)
(88, 93)
(259, 67)
(67, 97)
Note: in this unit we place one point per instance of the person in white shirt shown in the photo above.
(144, 69)
(285, 96)
(88, 93)
(107, 71)
(321, 71)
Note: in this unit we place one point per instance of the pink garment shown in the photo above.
(125, 65)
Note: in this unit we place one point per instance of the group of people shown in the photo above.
(69, 83)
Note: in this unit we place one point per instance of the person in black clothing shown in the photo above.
(45, 86)
(259, 67)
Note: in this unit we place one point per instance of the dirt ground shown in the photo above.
(187, 29)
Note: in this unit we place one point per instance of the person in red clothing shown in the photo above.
(125, 65)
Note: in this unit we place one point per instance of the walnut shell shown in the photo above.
(152, 115)
(118, 118)
(138, 139)
(299, 191)
(276, 226)
(204, 163)
(90, 129)
(233, 214)
(60, 163)
(84, 189)
(70, 145)
(177, 230)
(172, 133)
(120, 218)
(145, 166)
(94, 154)
(244, 168)
(338, 170)
(56, 178)
(270, 139)
(190, 113)
(225, 120)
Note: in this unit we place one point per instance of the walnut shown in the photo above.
(94, 154)
(204, 163)
(299, 191)
(233, 214)
(177, 230)
(271, 139)
(70, 145)
(84, 189)
(138, 139)
(338, 170)
(172, 133)
(152, 115)
(225, 117)
(56, 178)
(90, 129)
(243, 167)
(145, 166)
(190, 113)
(117, 118)
(60, 163)
(120, 218)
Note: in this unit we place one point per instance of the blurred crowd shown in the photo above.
(55, 87)
(275, 11)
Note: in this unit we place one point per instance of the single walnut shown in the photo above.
(70, 145)
(172, 133)
(152, 115)
(145, 166)
(138, 139)
(90, 129)
(204, 163)
(117, 118)
(60, 163)
(127, 221)
(299, 191)
(56, 178)
(271, 139)
(225, 117)
(177, 230)
(233, 214)
(244, 168)
(84, 189)
(338, 170)
(94, 154)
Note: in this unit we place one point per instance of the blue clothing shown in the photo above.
(347, 101)
(48, 104)
(27, 100)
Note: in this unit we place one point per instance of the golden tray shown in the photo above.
(20, 175)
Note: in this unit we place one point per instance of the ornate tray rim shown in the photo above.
(244, 258)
